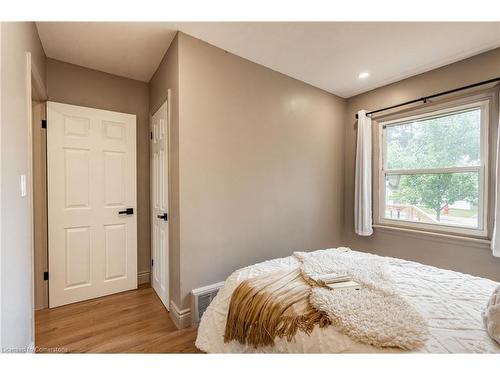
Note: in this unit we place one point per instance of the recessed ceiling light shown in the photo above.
(363, 75)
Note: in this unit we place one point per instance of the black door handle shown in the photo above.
(128, 211)
(164, 216)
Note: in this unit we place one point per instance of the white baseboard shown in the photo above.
(181, 318)
(143, 277)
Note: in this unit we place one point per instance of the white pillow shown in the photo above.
(491, 315)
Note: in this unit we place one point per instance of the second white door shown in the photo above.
(159, 203)
(91, 203)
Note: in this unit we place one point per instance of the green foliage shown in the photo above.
(447, 141)
(436, 190)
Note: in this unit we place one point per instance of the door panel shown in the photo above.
(77, 257)
(91, 168)
(159, 198)
(116, 251)
(76, 178)
(114, 179)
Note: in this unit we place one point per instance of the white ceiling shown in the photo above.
(128, 49)
(328, 55)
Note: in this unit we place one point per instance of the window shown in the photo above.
(433, 170)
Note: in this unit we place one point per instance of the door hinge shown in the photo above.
(151, 135)
(44, 124)
(46, 275)
(152, 262)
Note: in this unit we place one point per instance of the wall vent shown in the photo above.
(201, 298)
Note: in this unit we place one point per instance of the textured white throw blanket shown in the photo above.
(375, 313)
(491, 315)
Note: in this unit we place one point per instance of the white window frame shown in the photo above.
(383, 171)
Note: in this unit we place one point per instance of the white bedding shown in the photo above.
(451, 302)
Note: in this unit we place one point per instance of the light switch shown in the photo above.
(23, 185)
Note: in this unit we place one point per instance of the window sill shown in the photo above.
(435, 235)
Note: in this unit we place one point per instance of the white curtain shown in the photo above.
(363, 182)
(495, 239)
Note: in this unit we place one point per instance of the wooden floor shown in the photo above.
(129, 322)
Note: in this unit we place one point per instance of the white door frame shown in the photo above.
(29, 95)
(33, 322)
(35, 88)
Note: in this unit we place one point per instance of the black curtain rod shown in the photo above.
(426, 98)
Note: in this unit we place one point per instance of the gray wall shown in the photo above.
(261, 165)
(16, 226)
(458, 255)
(72, 84)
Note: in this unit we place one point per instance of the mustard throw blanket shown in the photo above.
(270, 306)
(279, 304)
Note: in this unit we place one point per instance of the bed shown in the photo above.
(451, 303)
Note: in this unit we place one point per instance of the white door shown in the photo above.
(159, 200)
(91, 167)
